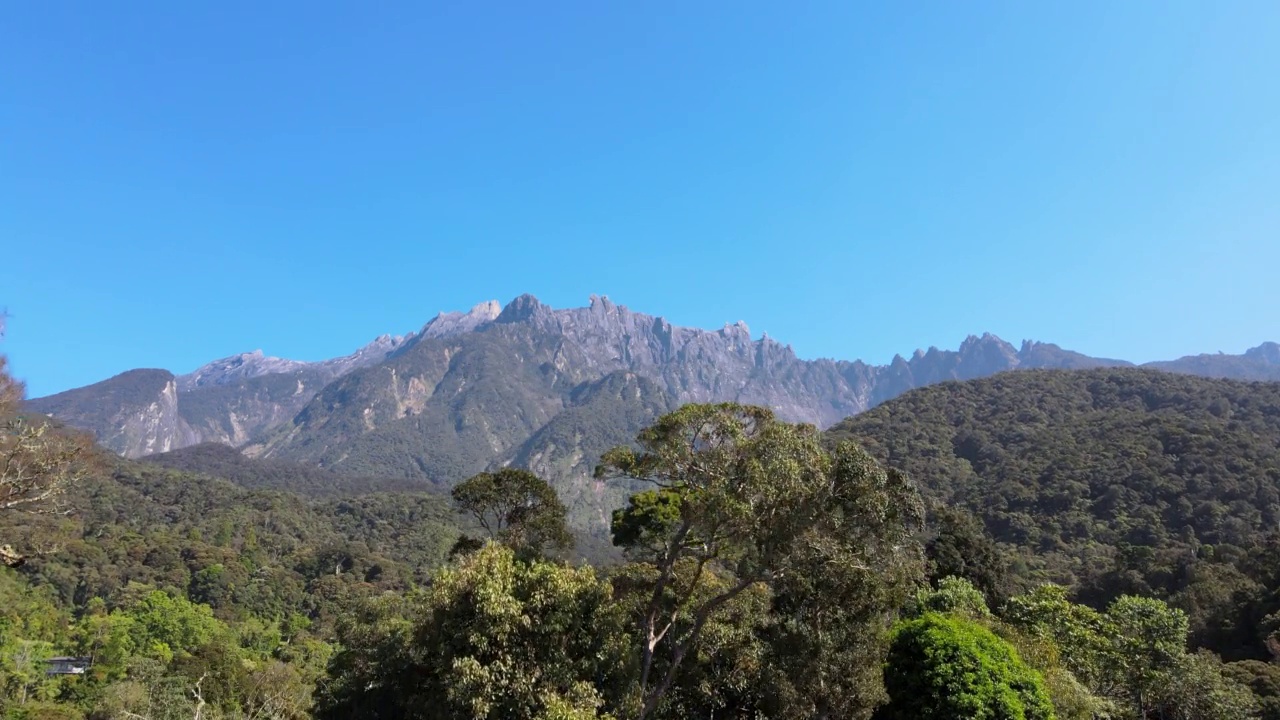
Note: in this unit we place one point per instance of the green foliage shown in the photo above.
(952, 669)
(1135, 655)
(726, 673)
(167, 579)
(1077, 631)
(1263, 679)
(744, 502)
(169, 627)
(953, 596)
(1147, 641)
(957, 597)
(647, 521)
(1112, 482)
(1201, 690)
(495, 637)
(516, 508)
(958, 546)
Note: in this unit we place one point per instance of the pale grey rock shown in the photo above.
(456, 323)
(537, 355)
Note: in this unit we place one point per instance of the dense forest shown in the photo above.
(1110, 482)
(1077, 545)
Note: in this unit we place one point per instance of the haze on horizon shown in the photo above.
(183, 184)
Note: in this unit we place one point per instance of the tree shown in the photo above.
(516, 508)
(948, 668)
(1263, 679)
(495, 637)
(953, 596)
(1077, 631)
(1134, 654)
(958, 546)
(958, 597)
(1148, 640)
(1200, 689)
(742, 501)
(37, 462)
(725, 674)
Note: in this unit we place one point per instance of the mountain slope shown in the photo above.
(445, 406)
(134, 413)
(265, 552)
(227, 463)
(1259, 363)
(1118, 480)
(600, 415)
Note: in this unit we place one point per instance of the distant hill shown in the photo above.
(1111, 480)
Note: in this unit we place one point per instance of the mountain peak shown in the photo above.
(985, 340)
(455, 323)
(487, 310)
(1267, 352)
(522, 308)
(236, 367)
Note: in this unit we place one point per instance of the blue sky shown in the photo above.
(183, 181)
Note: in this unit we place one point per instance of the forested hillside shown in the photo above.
(163, 577)
(227, 463)
(1110, 481)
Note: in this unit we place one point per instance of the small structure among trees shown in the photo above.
(67, 665)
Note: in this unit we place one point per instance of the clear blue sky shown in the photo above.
(183, 181)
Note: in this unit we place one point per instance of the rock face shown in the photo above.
(246, 366)
(528, 385)
(134, 413)
(227, 401)
(550, 389)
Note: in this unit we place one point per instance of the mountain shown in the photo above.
(1260, 363)
(568, 447)
(245, 366)
(523, 384)
(228, 401)
(134, 413)
(446, 406)
(1112, 481)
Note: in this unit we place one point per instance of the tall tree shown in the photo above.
(37, 462)
(741, 500)
(516, 508)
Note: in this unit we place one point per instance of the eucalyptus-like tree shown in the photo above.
(742, 502)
